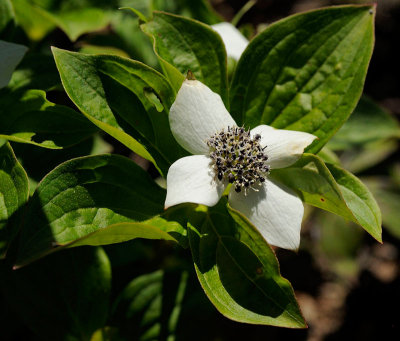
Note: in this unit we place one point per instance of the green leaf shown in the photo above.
(28, 117)
(239, 271)
(186, 44)
(77, 22)
(36, 71)
(38, 21)
(305, 72)
(359, 200)
(10, 56)
(368, 123)
(123, 97)
(94, 200)
(6, 18)
(149, 307)
(14, 191)
(37, 162)
(130, 38)
(387, 195)
(333, 189)
(63, 297)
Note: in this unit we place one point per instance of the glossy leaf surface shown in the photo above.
(94, 200)
(333, 189)
(127, 99)
(305, 72)
(186, 44)
(239, 272)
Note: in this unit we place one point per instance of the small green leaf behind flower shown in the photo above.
(184, 44)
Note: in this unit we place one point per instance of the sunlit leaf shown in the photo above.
(184, 44)
(123, 97)
(305, 72)
(333, 189)
(94, 200)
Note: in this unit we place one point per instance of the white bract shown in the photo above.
(227, 154)
(235, 42)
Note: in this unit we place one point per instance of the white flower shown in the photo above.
(235, 42)
(201, 124)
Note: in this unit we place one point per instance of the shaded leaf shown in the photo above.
(6, 17)
(149, 307)
(239, 272)
(36, 71)
(28, 117)
(63, 297)
(14, 191)
(305, 72)
(10, 56)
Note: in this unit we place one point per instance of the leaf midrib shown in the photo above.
(250, 279)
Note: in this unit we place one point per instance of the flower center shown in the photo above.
(238, 158)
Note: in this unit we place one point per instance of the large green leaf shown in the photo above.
(333, 189)
(305, 72)
(63, 297)
(14, 191)
(125, 98)
(239, 272)
(148, 308)
(94, 200)
(28, 117)
(186, 44)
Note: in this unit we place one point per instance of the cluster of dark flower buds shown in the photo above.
(238, 158)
